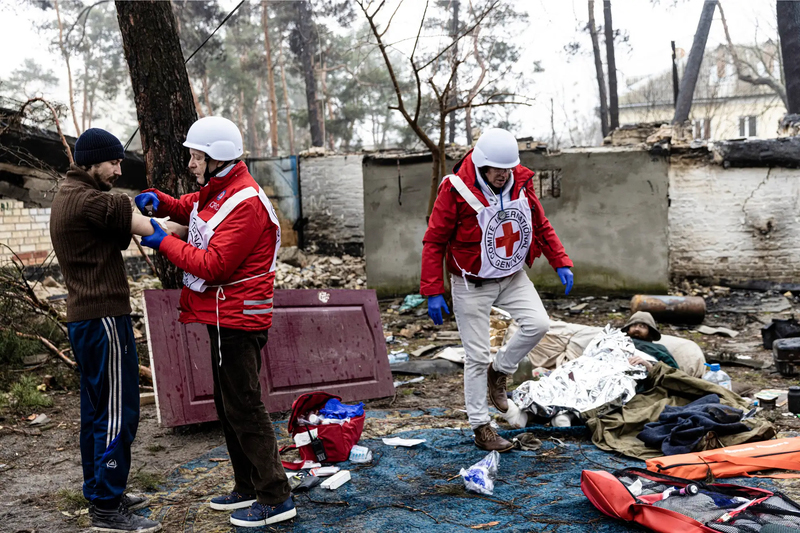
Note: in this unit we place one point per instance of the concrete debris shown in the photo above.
(410, 331)
(423, 350)
(322, 271)
(578, 309)
(49, 281)
(293, 256)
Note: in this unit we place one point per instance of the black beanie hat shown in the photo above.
(97, 146)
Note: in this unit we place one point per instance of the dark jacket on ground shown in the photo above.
(658, 351)
(89, 229)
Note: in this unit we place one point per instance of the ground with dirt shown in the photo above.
(40, 472)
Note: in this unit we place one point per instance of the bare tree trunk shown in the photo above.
(598, 67)
(273, 99)
(454, 98)
(85, 91)
(240, 113)
(206, 96)
(686, 92)
(196, 101)
(308, 43)
(789, 32)
(65, 53)
(163, 98)
(286, 104)
(611, 61)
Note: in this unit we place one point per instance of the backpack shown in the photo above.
(337, 439)
(637, 495)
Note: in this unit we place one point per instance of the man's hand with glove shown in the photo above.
(435, 306)
(565, 275)
(154, 240)
(147, 199)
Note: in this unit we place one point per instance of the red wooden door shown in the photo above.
(329, 340)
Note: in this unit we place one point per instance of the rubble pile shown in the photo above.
(297, 270)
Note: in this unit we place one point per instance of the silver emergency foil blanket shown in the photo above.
(600, 376)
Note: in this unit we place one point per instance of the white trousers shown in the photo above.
(472, 306)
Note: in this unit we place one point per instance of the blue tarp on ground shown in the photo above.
(418, 489)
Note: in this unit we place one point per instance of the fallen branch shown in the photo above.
(47, 344)
(146, 258)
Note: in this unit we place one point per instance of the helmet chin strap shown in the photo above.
(208, 175)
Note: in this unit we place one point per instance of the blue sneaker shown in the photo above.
(232, 501)
(262, 515)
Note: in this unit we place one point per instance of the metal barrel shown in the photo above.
(671, 309)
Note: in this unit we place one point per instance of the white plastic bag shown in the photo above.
(480, 476)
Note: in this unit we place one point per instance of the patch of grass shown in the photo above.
(13, 348)
(155, 448)
(24, 395)
(148, 481)
(70, 500)
(407, 391)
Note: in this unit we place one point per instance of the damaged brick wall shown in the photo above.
(734, 224)
(333, 202)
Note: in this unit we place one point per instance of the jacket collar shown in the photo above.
(465, 169)
(77, 174)
(219, 183)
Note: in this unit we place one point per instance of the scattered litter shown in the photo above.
(398, 357)
(390, 339)
(725, 332)
(360, 454)
(399, 441)
(426, 367)
(455, 355)
(410, 331)
(36, 359)
(527, 442)
(487, 524)
(410, 302)
(336, 480)
(423, 350)
(40, 420)
(324, 471)
(448, 336)
(480, 476)
(219, 459)
(409, 382)
(303, 482)
(774, 304)
(502, 313)
(577, 309)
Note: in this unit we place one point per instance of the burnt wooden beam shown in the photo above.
(783, 152)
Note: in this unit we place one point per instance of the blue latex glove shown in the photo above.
(565, 274)
(154, 240)
(435, 306)
(145, 198)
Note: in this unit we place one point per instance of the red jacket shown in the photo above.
(242, 246)
(453, 229)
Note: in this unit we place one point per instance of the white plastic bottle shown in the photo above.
(717, 376)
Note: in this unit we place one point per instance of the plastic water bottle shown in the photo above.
(400, 357)
(717, 376)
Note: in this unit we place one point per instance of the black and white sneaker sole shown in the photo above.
(100, 529)
(288, 515)
(232, 506)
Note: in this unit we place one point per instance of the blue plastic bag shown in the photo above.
(336, 409)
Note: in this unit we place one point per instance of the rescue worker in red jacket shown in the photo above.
(488, 223)
(229, 272)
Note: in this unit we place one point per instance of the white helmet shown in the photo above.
(496, 148)
(218, 137)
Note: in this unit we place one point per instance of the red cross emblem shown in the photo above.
(509, 239)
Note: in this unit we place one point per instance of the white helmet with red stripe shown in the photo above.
(496, 148)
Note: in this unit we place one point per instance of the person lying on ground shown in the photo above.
(641, 328)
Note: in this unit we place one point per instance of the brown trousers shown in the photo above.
(249, 434)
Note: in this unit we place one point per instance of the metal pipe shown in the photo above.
(671, 309)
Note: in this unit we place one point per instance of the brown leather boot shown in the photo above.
(497, 389)
(486, 438)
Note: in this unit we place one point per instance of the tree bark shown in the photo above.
(611, 63)
(789, 32)
(305, 28)
(286, 104)
(598, 67)
(273, 99)
(690, 74)
(164, 104)
(454, 97)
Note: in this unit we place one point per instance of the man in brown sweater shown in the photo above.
(89, 228)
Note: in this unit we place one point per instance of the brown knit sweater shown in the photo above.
(89, 229)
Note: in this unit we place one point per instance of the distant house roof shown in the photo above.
(27, 146)
(717, 81)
